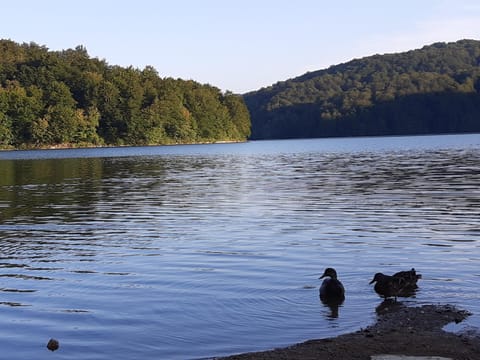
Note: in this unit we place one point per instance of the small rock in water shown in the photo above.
(53, 345)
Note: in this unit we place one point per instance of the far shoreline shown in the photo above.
(93, 146)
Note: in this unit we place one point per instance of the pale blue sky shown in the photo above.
(238, 45)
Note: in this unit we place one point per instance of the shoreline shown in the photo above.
(95, 146)
(398, 330)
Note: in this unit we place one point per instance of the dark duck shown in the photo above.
(331, 290)
(402, 283)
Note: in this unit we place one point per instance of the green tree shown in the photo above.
(239, 115)
(20, 108)
(111, 128)
(60, 114)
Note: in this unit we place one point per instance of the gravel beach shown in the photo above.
(399, 330)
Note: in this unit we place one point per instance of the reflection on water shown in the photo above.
(197, 251)
(333, 309)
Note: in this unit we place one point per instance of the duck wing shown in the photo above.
(408, 279)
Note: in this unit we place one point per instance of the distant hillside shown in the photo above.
(66, 98)
(435, 89)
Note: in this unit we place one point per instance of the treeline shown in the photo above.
(435, 89)
(50, 98)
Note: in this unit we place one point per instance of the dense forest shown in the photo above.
(435, 89)
(67, 98)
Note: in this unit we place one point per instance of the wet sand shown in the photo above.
(399, 330)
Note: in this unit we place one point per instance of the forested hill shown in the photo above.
(51, 98)
(431, 90)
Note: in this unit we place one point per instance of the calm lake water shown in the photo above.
(187, 252)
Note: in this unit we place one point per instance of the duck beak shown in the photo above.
(373, 280)
(321, 277)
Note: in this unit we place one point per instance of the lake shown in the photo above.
(196, 251)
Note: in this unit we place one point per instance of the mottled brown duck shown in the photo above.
(402, 283)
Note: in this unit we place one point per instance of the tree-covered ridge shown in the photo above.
(65, 97)
(430, 90)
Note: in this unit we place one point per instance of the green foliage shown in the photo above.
(430, 90)
(50, 98)
(239, 114)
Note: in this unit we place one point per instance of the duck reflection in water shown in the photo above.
(332, 292)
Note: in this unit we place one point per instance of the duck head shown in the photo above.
(378, 277)
(329, 272)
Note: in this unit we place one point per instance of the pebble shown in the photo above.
(53, 345)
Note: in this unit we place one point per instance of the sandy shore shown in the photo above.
(400, 330)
